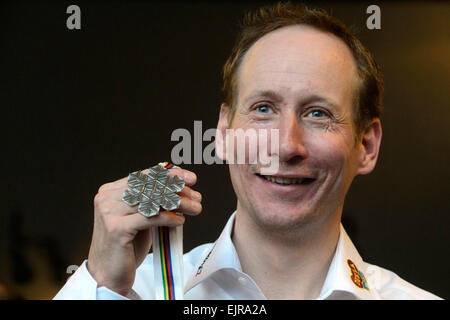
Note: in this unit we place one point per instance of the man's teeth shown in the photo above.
(281, 180)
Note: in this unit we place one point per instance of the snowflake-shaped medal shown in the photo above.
(153, 191)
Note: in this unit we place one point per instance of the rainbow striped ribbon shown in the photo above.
(167, 165)
(166, 263)
(168, 259)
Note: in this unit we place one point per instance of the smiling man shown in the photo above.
(303, 82)
(302, 73)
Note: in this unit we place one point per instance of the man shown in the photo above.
(304, 74)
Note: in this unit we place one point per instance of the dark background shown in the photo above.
(84, 107)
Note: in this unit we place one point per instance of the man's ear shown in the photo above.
(370, 146)
(221, 132)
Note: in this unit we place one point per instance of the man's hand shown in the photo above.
(122, 237)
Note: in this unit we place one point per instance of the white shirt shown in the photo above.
(212, 271)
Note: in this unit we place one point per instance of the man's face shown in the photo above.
(300, 81)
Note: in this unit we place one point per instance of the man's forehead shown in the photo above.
(297, 55)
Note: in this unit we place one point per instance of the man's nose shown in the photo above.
(292, 143)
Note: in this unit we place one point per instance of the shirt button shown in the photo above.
(242, 281)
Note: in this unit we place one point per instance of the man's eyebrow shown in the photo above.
(268, 94)
(276, 97)
(314, 98)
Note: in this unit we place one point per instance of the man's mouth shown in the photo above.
(287, 181)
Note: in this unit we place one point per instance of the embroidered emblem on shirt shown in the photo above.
(357, 276)
(200, 269)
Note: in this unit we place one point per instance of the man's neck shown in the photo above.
(282, 267)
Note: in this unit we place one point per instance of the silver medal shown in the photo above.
(153, 191)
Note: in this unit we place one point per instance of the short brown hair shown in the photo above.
(367, 103)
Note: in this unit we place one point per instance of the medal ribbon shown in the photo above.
(168, 259)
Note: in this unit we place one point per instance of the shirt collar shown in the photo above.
(222, 255)
(345, 278)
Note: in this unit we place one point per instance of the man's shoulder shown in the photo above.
(390, 286)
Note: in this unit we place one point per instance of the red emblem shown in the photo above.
(357, 276)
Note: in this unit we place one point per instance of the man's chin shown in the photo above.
(282, 220)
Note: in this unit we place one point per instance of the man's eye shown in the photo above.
(263, 108)
(317, 113)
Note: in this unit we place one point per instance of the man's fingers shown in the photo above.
(164, 218)
(108, 200)
(189, 206)
(120, 208)
(117, 193)
(189, 177)
(191, 194)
